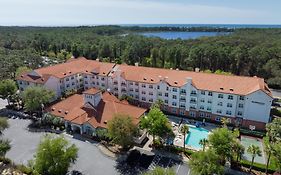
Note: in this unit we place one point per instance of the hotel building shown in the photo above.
(244, 100)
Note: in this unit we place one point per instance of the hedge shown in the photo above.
(258, 166)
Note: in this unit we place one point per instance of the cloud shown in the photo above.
(90, 12)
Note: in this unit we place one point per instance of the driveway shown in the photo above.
(90, 160)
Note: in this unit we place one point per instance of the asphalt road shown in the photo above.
(90, 160)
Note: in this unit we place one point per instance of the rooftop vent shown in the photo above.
(231, 89)
(136, 64)
(177, 68)
(105, 122)
(221, 88)
(97, 59)
(197, 69)
(171, 68)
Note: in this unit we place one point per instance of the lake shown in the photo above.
(182, 35)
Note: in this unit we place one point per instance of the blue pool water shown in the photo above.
(194, 136)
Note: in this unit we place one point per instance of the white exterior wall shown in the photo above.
(53, 84)
(257, 106)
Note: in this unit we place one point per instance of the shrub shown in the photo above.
(26, 170)
(275, 111)
(5, 160)
(258, 166)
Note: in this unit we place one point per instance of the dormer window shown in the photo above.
(66, 112)
(221, 88)
(231, 89)
(60, 111)
(144, 78)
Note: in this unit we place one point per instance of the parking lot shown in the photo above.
(90, 159)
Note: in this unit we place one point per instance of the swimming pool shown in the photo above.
(194, 136)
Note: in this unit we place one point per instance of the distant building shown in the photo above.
(244, 100)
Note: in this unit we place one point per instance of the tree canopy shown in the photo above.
(8, 88)
(241, 52)
(121, 130)
(54, 156)
(205, 163)
(156, 123)
(35, 96)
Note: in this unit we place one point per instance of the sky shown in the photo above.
(96, 12)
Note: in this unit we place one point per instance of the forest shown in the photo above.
(248, 52)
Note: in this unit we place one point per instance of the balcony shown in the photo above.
(193, 94)
(182, 99)
(182, 106)
(182, 93)
(193, 101)
(123, 90)
(123, 84)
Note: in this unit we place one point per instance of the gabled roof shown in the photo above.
(71, 67)
(73, 109)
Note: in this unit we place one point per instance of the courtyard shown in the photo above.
(90, 159)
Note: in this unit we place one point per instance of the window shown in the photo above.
(143, 85)
(193, 92)
(150, 100)
(102, 79)
(67, 85)
(175, 90)
(86, 82)
(181, 112)
(131, 90)
(220, 96)
(201, 114)
(136, 96)
(230, 97)
(209, 108)
(239, 113)
(159, 93)
(219, 103)
(219, 111)
(228, 112)
(94, 83)
(136, 90)
(218, 119)
(229, 105)
(131, 83)
(209, 101)
(192, 107)
(174, 110)
(241, 98)
(67, 79)
(183, 91)
(166, 101)
(74, 83)
(98, 83)
(174, 103)
(136, 84)
(103, 84)
(150, 93)
(167, 88)
(166, 94)
(202, 100)
(72, 78)
(240, 105)
(150, 86)
(192, 114)
(208, 115)
(174, 97)
(143, 99)
(158, 87)
(202, 107)
(143, 92)
(203, 92)
(210, 93)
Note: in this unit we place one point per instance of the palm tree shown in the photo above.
(224, 121)
(203, 143)
(184, 129)
(254, 151)
(239, 149)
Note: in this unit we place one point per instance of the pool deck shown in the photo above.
(179, 137)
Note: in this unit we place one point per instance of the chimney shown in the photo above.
(165, 78)
(197, 69)
(137, 64)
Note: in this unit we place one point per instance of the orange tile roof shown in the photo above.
(231, 84)
(73, 109)
(74, 66)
